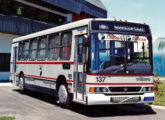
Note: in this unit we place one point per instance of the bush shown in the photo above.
(157, 87)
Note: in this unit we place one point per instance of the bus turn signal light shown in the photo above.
(153, 88)
(91, 89)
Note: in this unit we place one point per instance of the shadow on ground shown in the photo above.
(113, 110)
(97, 111)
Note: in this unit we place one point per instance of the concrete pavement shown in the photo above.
(6, 84)
(35, 106)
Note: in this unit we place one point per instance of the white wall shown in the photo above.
(5, 47)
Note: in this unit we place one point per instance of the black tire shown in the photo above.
(22, 84)
(63, 96)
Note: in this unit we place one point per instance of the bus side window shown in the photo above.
(33, 50)
(65, 51)
(25, 50)
(53, 47)
(42, 48)
(20, 50)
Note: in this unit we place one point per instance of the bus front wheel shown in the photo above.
(63, 96)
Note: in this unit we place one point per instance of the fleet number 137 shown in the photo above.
(100, 79)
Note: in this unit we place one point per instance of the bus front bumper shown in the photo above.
(101, 99)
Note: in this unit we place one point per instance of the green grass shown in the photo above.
(160, 96)
(7, 118)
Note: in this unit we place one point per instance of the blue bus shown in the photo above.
(159, 56)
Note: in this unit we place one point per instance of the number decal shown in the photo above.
(100, 79)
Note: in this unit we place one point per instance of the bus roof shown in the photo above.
(63, 28)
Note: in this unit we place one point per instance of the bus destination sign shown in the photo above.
(120, 27)
(129, 28)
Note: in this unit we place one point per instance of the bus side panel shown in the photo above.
(43, 77)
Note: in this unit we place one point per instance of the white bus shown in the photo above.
(91, 61)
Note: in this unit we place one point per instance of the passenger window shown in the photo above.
(33, 50)
(20, 50)
(42, 48)
(53, 48)
(25, 50)
(65, 51)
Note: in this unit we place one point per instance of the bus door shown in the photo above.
(80, 56)
(15, 49)
(79, 64)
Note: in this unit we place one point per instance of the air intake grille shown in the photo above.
(124, 89)
(125, 99)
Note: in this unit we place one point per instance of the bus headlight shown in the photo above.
(150, 89)
(98, 89)
(104, 89)
(147, 89)
(144, 89)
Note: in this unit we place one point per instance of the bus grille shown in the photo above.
(125, 99)
(124, 89)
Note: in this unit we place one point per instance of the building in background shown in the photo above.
(21, 17)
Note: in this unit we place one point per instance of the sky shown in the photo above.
(151, 12)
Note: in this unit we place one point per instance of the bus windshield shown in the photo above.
(119, 54)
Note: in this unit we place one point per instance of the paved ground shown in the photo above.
(35, 106)
(5, 84)
(160, 78)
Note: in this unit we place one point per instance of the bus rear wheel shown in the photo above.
(63, 96)
(22, 84)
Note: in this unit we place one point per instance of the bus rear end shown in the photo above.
(120, 63)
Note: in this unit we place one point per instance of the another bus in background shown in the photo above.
(159, 55)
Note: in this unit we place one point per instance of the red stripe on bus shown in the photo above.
(117, 75)
(49, 78)
(40, 77)
(69, 80)
(17, 73)
(42, 62)
(119, 83)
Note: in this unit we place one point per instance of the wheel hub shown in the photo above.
(21, 83)
(62, 94)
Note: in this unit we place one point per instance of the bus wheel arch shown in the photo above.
(62, 92)
(21, 74)
(60, 80)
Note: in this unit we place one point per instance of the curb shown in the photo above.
(6, 84)
(158, 107)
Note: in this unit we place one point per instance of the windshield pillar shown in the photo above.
(151, 52)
